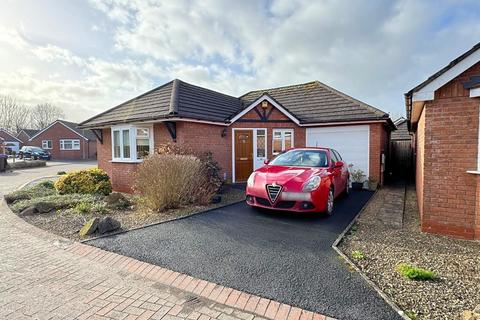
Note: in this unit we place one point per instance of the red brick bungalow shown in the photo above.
(11, 143)
(443, 112)
(240, 132)
(25, 134)
(66, 141)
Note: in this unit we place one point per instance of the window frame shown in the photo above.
(282, 135)
(47, 142)
(73, 141)
(132, 139)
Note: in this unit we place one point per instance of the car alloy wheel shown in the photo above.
(330, 202)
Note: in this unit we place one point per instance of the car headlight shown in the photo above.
(312, 184)
(251, 180)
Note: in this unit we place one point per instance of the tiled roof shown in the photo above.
(312, 102)
(402, 130)
(84, 132)
(174, 99)
(30, 132)
(315, 102)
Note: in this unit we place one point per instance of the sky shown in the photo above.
(88, 56)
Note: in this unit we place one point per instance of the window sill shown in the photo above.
(473, 172)
(126, 161)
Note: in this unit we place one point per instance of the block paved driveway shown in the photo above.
(283, 257)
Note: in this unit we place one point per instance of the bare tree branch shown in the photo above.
(13, 115)
(44, 114)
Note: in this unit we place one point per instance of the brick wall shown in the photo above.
(449, 199)
(420, 156)
(57, 132)
(379, 142)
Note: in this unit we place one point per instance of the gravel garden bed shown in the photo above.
(378, 250)
(67, 221)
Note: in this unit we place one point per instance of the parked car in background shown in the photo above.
(301, 180)
(35, 153)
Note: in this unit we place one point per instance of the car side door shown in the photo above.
(344, 170)
(336, 172)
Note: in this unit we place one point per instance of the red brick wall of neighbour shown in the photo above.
(450, 204)
(56, 133)
(420, 160)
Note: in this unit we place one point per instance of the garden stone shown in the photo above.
(45, 207)
(116, 200)
(29, 211)
(108, 224)
(90, 227)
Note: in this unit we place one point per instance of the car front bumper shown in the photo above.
(287, 201)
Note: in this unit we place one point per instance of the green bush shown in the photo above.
(91, 181)
(415, 273)
(55, 201)
(87, 206)
(42, 189)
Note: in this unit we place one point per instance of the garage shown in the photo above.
(352, 142)
(11, 143)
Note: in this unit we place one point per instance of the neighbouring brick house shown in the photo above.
(241, 132)
(65, 141)
(25, 134)
(443, 112)
(10, 142)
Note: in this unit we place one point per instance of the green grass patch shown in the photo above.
(415, 273)
(42, 189)
(358, 255)
(56, 201)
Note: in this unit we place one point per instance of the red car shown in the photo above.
(301, 180)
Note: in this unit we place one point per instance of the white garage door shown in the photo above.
(352, 142)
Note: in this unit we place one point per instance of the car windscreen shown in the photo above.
(301, 158)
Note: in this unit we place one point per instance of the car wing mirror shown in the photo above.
(338, 164)
(266, 161)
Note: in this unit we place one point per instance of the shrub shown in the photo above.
(87, 206)
(83, 207)
(42, 189)
(212, 167)
(415, 273)
(357, 175)
(166, 181)
(91, 181)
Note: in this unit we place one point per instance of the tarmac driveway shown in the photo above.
(284, 257)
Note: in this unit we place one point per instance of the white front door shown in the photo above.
(259, 147)
(352, 142)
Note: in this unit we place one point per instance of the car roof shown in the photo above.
(310, 148)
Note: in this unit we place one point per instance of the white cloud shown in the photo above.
(373, 50)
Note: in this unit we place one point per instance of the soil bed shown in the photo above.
(66, 224)
(456, 262)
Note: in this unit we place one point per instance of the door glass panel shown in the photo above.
(261, 143)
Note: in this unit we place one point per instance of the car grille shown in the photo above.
(263, 201)
(285, 204)
(273, 192)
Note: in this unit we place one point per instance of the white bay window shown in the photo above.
(131, 143)
(69, 144)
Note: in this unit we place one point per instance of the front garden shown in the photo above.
(81, 205)
(428, 276)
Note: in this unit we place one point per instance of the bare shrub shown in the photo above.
(167, 181)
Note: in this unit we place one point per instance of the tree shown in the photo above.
(13, 115)
(43, 114)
